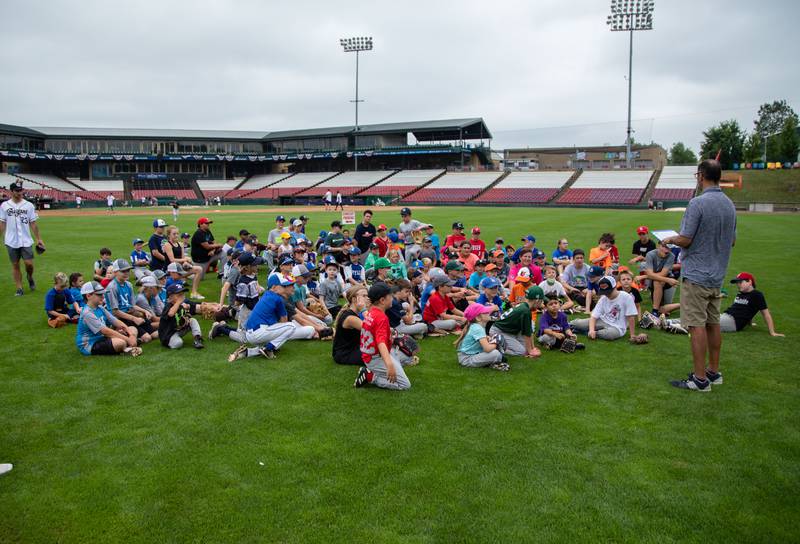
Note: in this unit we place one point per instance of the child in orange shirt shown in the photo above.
(521, 284)
(601, 255)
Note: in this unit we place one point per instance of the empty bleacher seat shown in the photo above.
(526, 187)
(676, 183)
(401, 183)
(608, 187)
(166, 192)
(261, 180)
(454, 187)
(50, 181)
(348, 183)
(291, 185)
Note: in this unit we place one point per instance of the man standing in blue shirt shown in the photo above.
(707, 236)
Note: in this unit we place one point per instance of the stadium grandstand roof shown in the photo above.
(443, 129)
(571, 149)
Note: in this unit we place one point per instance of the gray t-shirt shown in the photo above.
(576, 277)
(408, 228)
(154, 306)
(710, 221)
(652, 261)
(274, 236)
(233, 278)
(119, 296)
(330, 291)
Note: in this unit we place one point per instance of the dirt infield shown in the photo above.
(88, 212)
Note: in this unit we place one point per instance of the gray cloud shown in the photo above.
(524, 66)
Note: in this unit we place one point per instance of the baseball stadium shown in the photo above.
(411, 331)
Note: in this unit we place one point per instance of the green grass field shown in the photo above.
(185, 447)
(776, 186)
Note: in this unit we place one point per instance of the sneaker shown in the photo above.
(5, 467)
(692, 384)
(414, 361)
(579, 346)
(216, 329)
(648, 321)
(674, 327)
(714, 377)
(133, 352)
(437, 333)
(19, 293)
(363, 377)
(31, 283)
(501, 366)
(240, 353)
(326, 333)
(198, 343)
(266, 353)
(197, 296)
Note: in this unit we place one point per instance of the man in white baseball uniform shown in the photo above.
(17, 220)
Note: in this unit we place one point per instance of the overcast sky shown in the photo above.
(541, 73)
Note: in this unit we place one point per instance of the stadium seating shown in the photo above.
(401, 183)
(349, 183)
(454, 187)
(292, 185)
(526, 187)
(213, 188)
(608, 187)
(260, 181)
(50, 181)
(187, 194)
(676, 183)
(34, 187)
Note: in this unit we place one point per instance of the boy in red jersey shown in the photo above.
(380, 368)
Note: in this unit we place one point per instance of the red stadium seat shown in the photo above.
(601, 196)
(517, 195)
(673, 194)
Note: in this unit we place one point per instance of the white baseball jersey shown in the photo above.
(110, 200)
(327, 196)
(18, 217)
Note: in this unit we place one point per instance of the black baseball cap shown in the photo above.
(458, 225)
(606, 285)
(405, 211)
(244, 232)
(378, 291)
(15, 187)
(175, 288)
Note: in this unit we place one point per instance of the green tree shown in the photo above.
(772, 117)
(679, 154)
(727, 137)
(754, 148)
(788, 141)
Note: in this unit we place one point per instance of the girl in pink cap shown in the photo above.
(475, 347)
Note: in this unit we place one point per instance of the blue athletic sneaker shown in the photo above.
(693, 384)
(714, 377)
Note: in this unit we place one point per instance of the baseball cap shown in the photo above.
(157, 223)
(204, 221)
(329, 259)
(499, 241)
(285, 235)
(280, 280)
(429, 226)
(148, 281)
(490, 283)
(417, 264)
(280, 218)
(323, 233)
(427, 240)
(523, 275)
(742, 276)
(176, 268)
(297, 223)
(92, 287)
(642, 230)
(378, 291)
(292, 220)
(476, 230)
(481, 262)
(303, 218)
(382, 262)
(137, 241)
(596, 271)
(453, 265)
(336, 223)
(490, 266)
(606, 284)
(186, 235)
(538, 253)
(299, 249)
(498, 253)
(438, 281)
(373, 245)
(16, 186)
(458, 225)
(534, 292)
(244, 232)
(247, 258)
(175, 288)
(121, 265)
(158, 274)
(299, 270)
(381, 227)
(286, 259)
(474, 310)
(529, 238)
(393, 236)
(355, 251)
(405, 211)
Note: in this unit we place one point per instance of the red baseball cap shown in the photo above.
(744, 276)
(476, 230)
(642, 230)
(204, 220)
(381, 227)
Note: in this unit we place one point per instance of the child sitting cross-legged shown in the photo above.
(613, 316)
(61, 308)
(553, 325)
(553, 288)
(177, 319)
(475, 347)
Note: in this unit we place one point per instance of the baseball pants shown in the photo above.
(603, 330)
(379, 374)
(176, 340)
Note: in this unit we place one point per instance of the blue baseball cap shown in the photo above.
(355, 251)
(323, 233)
(280, 218)
(280, 279)
(596, 271)
(159, 223)
(490, 283)
(417, 264)
(137, 241)
(311, 266)
(393, 236)
(529, 238)
(175, 288)
(329, 259)
(538, 253)
(286, 259)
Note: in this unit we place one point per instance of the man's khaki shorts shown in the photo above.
(699, 305)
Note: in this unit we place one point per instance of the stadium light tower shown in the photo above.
(356, 45)
(627, 16)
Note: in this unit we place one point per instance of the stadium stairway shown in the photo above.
(651, 186)
(127, 189)
(424, 185)
(491, 185)
(376, 183)
(572, 179)
(196, 189)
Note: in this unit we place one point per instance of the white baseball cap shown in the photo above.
(92, 287)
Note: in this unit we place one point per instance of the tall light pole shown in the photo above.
(627, 16)
(350, 45)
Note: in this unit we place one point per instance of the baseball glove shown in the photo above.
(406, 344)
(568, 345)
(500, 341)
(224, 313)
(316, 308)
(639, 339)
(209, 309)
